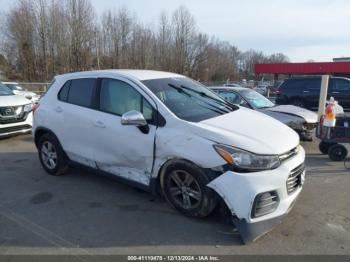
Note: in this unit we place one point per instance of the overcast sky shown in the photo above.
(301, 29)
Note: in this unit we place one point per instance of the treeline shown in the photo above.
(42, 38)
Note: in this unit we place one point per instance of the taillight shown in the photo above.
(35, 107)
(277, 92)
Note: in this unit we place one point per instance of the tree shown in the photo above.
(42, 38)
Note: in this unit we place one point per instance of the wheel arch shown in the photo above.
(40, 131)
(158, 179)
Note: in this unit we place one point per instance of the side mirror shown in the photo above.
(133, 118)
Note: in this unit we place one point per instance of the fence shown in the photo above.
(38, 88)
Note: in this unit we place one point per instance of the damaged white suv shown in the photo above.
(163, 131)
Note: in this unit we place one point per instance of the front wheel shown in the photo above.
(185, 188)
(337, 152)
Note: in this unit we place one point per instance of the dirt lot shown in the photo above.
(84, 213)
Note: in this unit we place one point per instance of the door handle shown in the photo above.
(334, 92)
(99, 124)
(59, 109)
(306, 91)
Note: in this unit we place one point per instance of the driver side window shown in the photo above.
(231, 97)
(118, 97)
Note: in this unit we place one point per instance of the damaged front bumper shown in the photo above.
(259, 200)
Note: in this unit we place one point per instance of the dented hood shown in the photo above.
(307, 115)
(249, 130)
(293, 121)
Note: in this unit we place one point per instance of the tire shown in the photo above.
(324, 147)
(337, 152)
(184, 186)
(51, 155)
(298, 102)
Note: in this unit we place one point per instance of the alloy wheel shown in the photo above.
(184, 189)
(49, 155)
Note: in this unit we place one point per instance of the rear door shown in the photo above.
(73, 117)
(340, 90)
(311, 92)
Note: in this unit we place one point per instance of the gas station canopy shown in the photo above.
(311, 68)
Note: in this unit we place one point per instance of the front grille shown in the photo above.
(310, 126)
(288, 154)
(12, 114)
(14, 129)
(294, 179)
(265, 203)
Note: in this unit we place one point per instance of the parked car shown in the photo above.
(18, 90)
(15, 113)
(165, 132)
(232, 85)
(261, 89)
(305, 91)
(301, 120)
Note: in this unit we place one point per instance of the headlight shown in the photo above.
(28, 108)
(244, 160)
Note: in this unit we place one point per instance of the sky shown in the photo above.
(301, 29)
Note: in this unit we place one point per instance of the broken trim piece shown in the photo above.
(250, 232)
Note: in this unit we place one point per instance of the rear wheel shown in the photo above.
(184, 187)
(52, 156)
(337, 152)
(324, 147)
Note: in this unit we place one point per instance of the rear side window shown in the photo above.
(292, 84)
(81, 91)
(341, 85)
(313, 84)
(303, 83)
(78, 91)
(63, 94)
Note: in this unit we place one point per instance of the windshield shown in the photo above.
(5, 91)
(256, 100)
(14, 87)
(188, 99)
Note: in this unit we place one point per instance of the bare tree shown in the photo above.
(184, 28)
(41, 38)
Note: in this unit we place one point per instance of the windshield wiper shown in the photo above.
(222, 102)
(184, 90)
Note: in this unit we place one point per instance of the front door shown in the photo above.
(123, 150)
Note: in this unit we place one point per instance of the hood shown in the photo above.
(293, 121)
(14, 100)
(249, 130)
(307, 115)
(24, 93)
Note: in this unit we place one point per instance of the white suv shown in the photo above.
(165, 132)
(15, 113)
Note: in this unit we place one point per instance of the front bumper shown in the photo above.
(17, 128)
(239, 191)
(307, 131)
